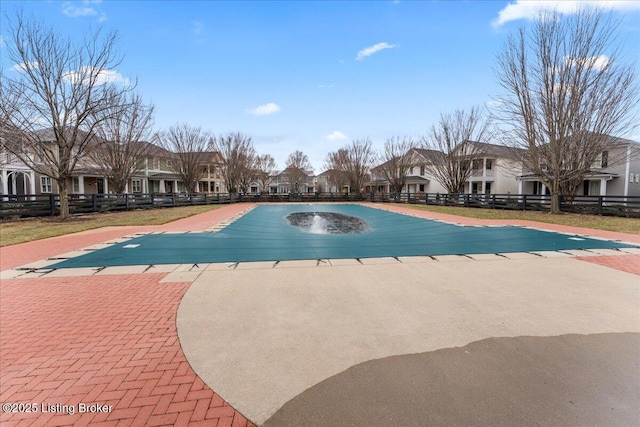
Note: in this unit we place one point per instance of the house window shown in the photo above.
(422, 188)
(488, 164)
(476, 164)
(487, 188)
(136, 185)
(76, 184)
(45, 184)
(604, 159)
(421, 170)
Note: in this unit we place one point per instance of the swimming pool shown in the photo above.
(265, 234)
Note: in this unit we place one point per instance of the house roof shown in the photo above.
(428, 154)
(495, 149)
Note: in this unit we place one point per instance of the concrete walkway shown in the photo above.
(286, 329)
(110, 339)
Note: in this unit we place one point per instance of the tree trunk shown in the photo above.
(555, 202)
(64, 198)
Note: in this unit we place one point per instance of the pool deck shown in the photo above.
(118, 338)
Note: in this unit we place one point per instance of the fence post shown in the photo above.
(205, 199)
(52, 204)
(600, 200)
(524, 203)
(94, 200)
(126, 201)
(493, 201)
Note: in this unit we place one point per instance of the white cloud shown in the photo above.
(373, 49)
(76, 11)
(336, 135)
(596, 62)
(263, 110)
(73, 11)
(524, 9)
(21, 67)
(103, 76)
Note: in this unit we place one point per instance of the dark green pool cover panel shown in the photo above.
(264, 234)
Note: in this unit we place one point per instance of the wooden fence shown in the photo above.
(48, 205)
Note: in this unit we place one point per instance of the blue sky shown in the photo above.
(306, 75)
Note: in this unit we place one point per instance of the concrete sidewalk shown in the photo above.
(286, 329)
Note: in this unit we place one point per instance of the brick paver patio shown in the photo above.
(109, 340)
(112, 340)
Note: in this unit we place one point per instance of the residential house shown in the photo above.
(280, 182)
(494, 169)
(154, 174)
(616, 171)
(328, 182)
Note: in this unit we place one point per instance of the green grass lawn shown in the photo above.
(26, 230)
(608, 223)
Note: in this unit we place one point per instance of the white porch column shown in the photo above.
(197, 187)
(106, 186)
(162, 189)
(32, 183)
(175, 186)
(603, 186)
(126, 187)
(81, 184)
(5, 183)
(520, 187)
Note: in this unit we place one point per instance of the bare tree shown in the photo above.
(124, 134)
(452, 149)
(336, 170)
(397, 161)
(191, 147)
(354, 163)
(53, 95)
(565, 90)
(265, 167)
(298, 169)
(239, 160)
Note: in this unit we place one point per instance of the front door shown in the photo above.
(100, 185)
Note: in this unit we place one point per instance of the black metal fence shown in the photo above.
(48, 205)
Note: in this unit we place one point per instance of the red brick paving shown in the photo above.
(628, 263)
(101, 339)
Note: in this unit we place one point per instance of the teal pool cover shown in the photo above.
(265, 234)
